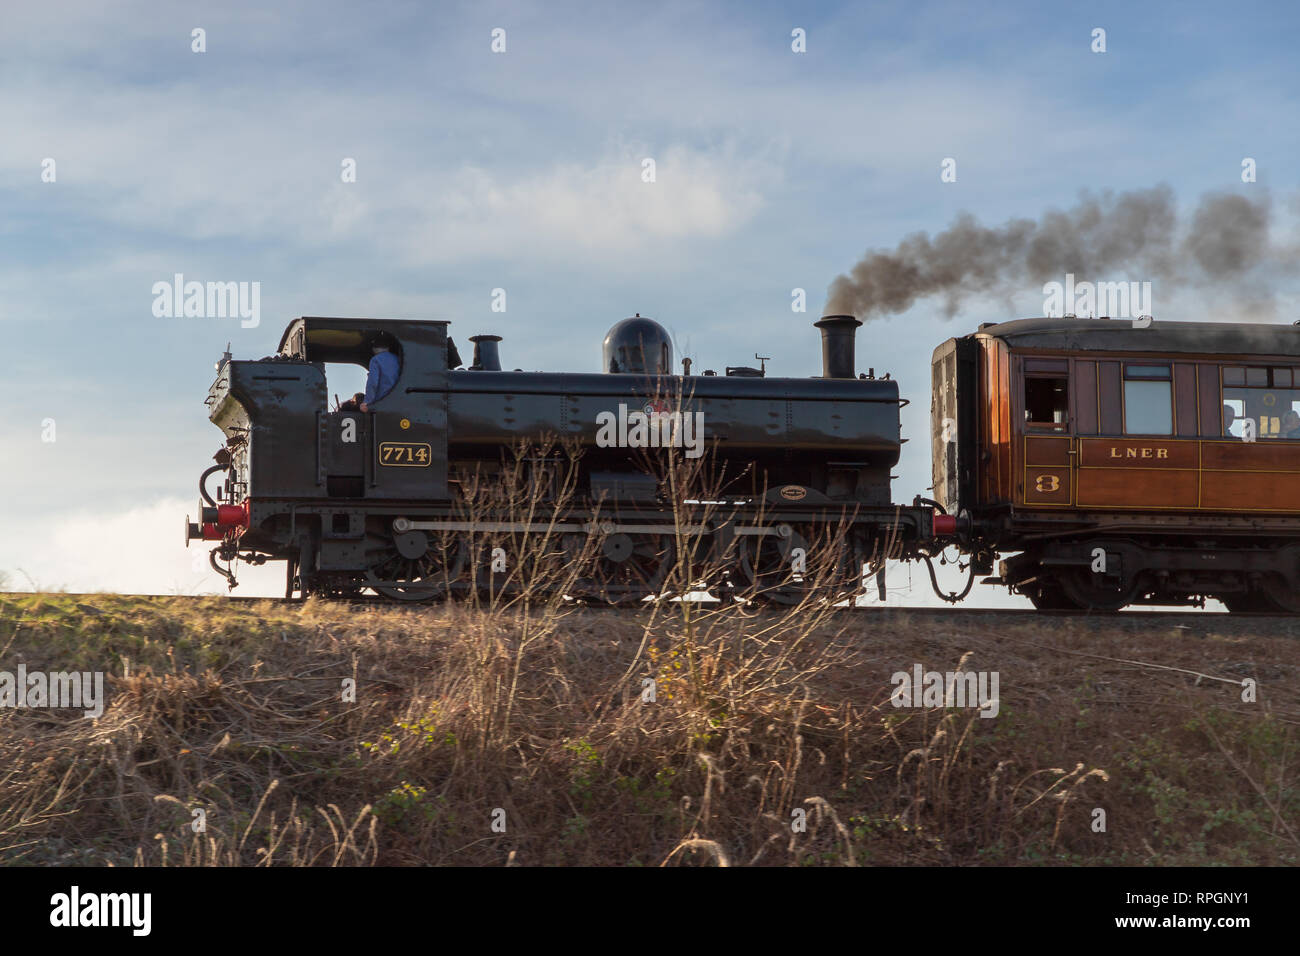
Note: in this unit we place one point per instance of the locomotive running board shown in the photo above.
(405, 524)
(401, 525)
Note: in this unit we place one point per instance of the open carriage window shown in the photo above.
(1047, 401)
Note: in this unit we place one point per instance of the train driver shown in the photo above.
(382, 377)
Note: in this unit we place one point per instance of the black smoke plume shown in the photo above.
(1133, 236)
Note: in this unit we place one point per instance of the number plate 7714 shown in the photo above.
(405, 454)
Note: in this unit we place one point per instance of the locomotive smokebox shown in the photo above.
(486, 356)
(838, 334)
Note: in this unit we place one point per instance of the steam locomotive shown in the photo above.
(1099, 463)
(376, 501)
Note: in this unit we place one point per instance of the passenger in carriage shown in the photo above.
(1291, 424)
(1229, 418)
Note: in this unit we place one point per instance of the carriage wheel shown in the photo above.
(1050, 597)
(1251, 602)
(1278, 597)
(1090, 591)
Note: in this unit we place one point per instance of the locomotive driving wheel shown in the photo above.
(412, 566)
(845, 580)
(625, 568)
(772, 566)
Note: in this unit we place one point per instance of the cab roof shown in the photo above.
(320, 339)
(1120, 335)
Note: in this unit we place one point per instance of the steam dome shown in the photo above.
(639, 345)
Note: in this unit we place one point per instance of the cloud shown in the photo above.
(604, 207)
(138, 551)
(229, 169)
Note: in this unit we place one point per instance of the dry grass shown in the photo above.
(238, 709)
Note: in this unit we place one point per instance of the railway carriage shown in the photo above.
(1120, 462)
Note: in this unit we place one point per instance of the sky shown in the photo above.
(522, 169)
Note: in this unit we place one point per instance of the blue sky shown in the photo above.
(521, 170)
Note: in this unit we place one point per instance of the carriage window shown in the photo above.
(1253, 377)
(1264, 400)
(1047, 401)
(1274, 413)
(1148, 400)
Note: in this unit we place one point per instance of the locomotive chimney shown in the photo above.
(838, 333)
(486, 357)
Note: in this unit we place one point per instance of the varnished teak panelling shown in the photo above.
(1137, 453)
(1249, 491)
(1250, 456)
(1092, 463)
(1147, 490)
(1158, 473)
(1041, 450)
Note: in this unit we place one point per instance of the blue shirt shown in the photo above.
(382, 377)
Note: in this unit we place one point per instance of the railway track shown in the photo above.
(1127, 618)
(1130, 616)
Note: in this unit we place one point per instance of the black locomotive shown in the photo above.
(358, 501)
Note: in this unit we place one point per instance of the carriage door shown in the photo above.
(1048, 477)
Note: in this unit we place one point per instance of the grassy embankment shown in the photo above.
(239, 710)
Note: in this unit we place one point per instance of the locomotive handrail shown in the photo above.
(918, 500)
(203, 482)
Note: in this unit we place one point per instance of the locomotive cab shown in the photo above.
(338, 346)
(397, 448)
